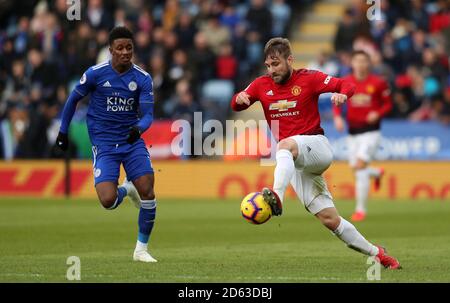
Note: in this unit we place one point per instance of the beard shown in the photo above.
(282, 78)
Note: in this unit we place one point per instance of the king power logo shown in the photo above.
(118, 104)
(282, 105)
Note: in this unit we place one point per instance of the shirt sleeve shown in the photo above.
(324, 83)
(69, 110)
(253, 91)
(86, 83)
(146, 104)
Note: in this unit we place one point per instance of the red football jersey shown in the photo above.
(294, 103)
(371, 94)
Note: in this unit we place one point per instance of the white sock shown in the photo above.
(362, 189)
(373, 171)
(284, 171)
(141, 246)
(354, 240)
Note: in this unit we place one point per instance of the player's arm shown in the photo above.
(339, 122)
(386, 100)
(386, 104)
(146, 104)
(83, 88)
(245, 98)
(342, 89)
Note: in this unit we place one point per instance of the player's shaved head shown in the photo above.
(277, 47)
(120, 32)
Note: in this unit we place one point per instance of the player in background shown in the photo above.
(365, 110)
(303, 152)
(119, 92)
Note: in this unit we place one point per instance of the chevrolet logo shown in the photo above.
(282, 105)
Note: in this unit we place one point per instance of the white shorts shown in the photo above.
(314, 158)
(363, 146)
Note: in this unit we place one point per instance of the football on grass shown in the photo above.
(254, 209)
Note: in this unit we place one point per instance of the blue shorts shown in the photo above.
(107, 159)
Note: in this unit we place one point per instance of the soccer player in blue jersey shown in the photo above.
(120, 110)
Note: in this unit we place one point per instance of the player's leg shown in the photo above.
(362, 187)
(313, 192)
(287, 152)
(109, 194)
(311, 188)
(147, 212)
(343, 229)
(367, 144)
(137, 164)
(106, 172)
(347, 232)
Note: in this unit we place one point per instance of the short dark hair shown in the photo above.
(119, 32)
(277, 47)
(360, 52)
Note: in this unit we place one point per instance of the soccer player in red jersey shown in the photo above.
(303, 152)
(370, 102)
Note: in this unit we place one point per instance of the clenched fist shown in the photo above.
(338, 99)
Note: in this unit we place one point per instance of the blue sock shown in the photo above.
(121, 193)
(146, 220)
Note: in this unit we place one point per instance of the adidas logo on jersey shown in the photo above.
(106, 84)
(269, 93)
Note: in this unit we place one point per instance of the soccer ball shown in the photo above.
(254, 209)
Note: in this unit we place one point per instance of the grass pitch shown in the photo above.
(208, 241)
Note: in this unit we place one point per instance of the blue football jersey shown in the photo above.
(114, 101)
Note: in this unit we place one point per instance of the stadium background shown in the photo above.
(199, 53)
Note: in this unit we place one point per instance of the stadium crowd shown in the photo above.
(409, 44)
(199, 53)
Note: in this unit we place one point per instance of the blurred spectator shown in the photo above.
(170, 15)
(161, 85)
(202, 60)
(403, 103)
(184, 108)
(179, 67)
(230, 18)
(259, 19)
(418, 15)
(441, 18)
(226, 63)
(98, 17)
(215, 33)
(325, 63)
(185, 30)
(346, 32)
(281, 15)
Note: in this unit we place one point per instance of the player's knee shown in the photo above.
(148, 194)
(360, 164)
(289, 145)
(332, 223)
(108, 201)
(329, 219)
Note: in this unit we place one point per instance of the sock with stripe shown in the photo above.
(146, 221)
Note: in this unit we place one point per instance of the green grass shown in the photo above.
(208, 241)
